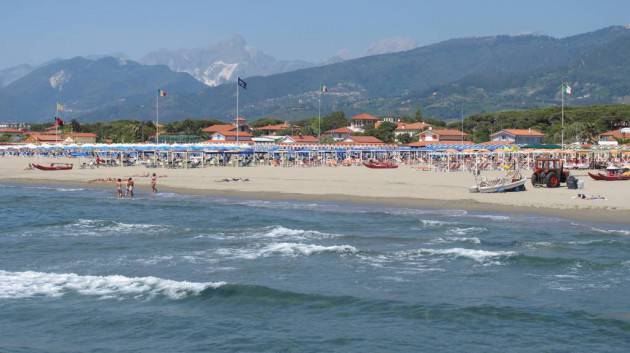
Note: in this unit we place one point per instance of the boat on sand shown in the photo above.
(53, 166)
(612, 174)
(374, 164)
(512, 181)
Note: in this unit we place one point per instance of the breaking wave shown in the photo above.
(473, 254)
(33, 284)
(612, 231)
(465, 231)
(286, 249)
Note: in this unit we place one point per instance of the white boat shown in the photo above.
(513, 181)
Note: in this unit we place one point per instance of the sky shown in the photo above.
(35, 31)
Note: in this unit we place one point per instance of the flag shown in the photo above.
(58, 121)
(568, 90)
(59, 107)
(323, 88)
(161, 93)
(242, 83)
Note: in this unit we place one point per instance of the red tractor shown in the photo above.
(549, 172)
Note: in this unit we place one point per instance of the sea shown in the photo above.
(82, 271)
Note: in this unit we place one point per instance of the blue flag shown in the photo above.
(242, 83)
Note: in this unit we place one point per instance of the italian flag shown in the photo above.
(568, 90)
(323, 88)
(161, 93)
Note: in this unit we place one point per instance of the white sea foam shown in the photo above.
(432, 223)
(95, 226)
(492, 217)
(473, 254)
(281, 232)
(612, 231)
(286, 249)
(33, 284)
(443, 240)
(465, 231)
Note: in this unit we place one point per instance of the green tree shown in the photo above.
(405, 138)
(384, 132)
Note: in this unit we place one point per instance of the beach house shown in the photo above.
(411, 129)
(518, 136)
(273, 130)
(339, 134)
(231, 135)
(610, 138)
(298, 139)
(363, 121)
(363, 140)
(443, 135)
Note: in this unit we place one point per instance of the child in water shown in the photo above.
(154, 183)
(119, 188)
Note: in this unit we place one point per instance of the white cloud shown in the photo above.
(391, 45)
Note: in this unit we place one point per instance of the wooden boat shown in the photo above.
(609, 177)
(612, 174)
(53, 166)
(380, 165)
(513, 181)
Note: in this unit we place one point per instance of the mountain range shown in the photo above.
(480, 74)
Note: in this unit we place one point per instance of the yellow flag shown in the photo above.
(59, 107)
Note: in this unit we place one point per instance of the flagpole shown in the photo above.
(237, 112)
(157, 118)
(56, 123)
(562, 118)
(319, 116)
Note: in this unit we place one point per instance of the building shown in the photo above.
(518, 136)
(609, 138)
(443, 135)
(242, 127)
(231, 136)
(412, 129)
(79, 137)
(363, 121)
(339, 134)
(363, 140)
(273, 130)
(299, 139)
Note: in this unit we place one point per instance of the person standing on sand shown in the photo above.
(154, 183)
(129, 188)
(119, 188)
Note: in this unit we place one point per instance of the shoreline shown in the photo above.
(597, 215)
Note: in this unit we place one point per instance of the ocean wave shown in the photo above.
(473, 254)
(33, 284)
(612, 231)
(54, 188)
(102, 225)
(281, 232)
(465, 231)
(420, 212)
(432, 223)
(445, 240)
(491, 217)
(286, 249)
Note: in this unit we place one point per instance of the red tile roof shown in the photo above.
(340, 130)
(521, 132)
(12, 131)
(412, 126)
(233, 133)
(276, 127)
(304, 139)
(81, 134)
(446, 132)
(219, 127)
(426, 143)
(365, 116)
(365, 140)
(617, 134)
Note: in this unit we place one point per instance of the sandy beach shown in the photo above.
(403, 187)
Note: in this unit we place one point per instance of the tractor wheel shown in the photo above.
(552, 180)
(534, 179)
